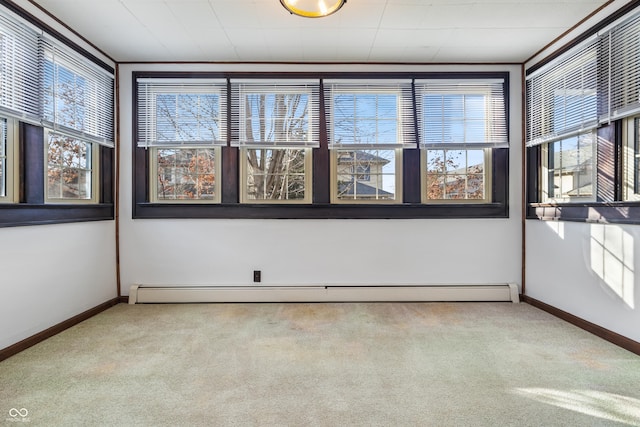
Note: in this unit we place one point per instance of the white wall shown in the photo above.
(290, 252)
(588, 270)
(51, 273)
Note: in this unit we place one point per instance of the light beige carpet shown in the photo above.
(373, 364)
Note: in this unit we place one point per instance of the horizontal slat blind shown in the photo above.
(376, 114)
(19, 79)
(620, 48)
(182, 112)
(77, 95)
(275, 113)
(562, 97)
(461, 113)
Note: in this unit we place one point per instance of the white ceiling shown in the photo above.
(420, 31)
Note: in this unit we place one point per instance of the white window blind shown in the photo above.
(275, 113)
(619, 49)
(461, 113)
(562, 97)
(77, 95)
(374, 114)
(182, 112)
(19, 80)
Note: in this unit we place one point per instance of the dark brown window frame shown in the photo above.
(31, 208)
(320, 208)
(608, 207)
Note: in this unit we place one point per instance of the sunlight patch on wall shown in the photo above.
(557, 227)
(607, 406)
(612, 260)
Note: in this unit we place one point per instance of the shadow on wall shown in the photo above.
(607, 406)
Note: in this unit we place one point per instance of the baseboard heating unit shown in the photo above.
(150, 294)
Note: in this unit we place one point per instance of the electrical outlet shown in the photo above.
(257, 276)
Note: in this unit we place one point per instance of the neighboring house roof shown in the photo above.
(586, 189)
(363, 156)
(571, 162)
(347, 189)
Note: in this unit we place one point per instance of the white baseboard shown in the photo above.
(140, 294)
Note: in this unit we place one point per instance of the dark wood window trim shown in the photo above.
(321, 207)
(31, 209)
(608, 208)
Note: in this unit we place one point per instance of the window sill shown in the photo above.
(319, 211)
(592, 212)
(23, 214)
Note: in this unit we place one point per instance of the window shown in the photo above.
(183, 124)
(370, 123)
(181, 112)
(185, 174)
(8, 160)
(61, 99)
(461, 122)
(582, 127)
(456, 175)
(276, 126)
(314, 145)
(366, 175)
(19, 79)
(70, 169)
(276, 175)
(562, 115)
(77, 97)
(78, 114)
(569, 169)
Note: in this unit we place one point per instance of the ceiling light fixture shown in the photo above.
(312, 8)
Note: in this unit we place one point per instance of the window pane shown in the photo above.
(276, 174)
(65, 94)
(69, 171)
(454, 118)
(570, 169)
(366, 174)
(365, 119)
(275, 118)
(455, 174)
(186, 174)
(187, 117)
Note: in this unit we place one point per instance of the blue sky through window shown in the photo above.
(365, 118)
(281, 117)
(184, 117)
(65, 96)
(454, 118)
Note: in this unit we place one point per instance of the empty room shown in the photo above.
(320, 212)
